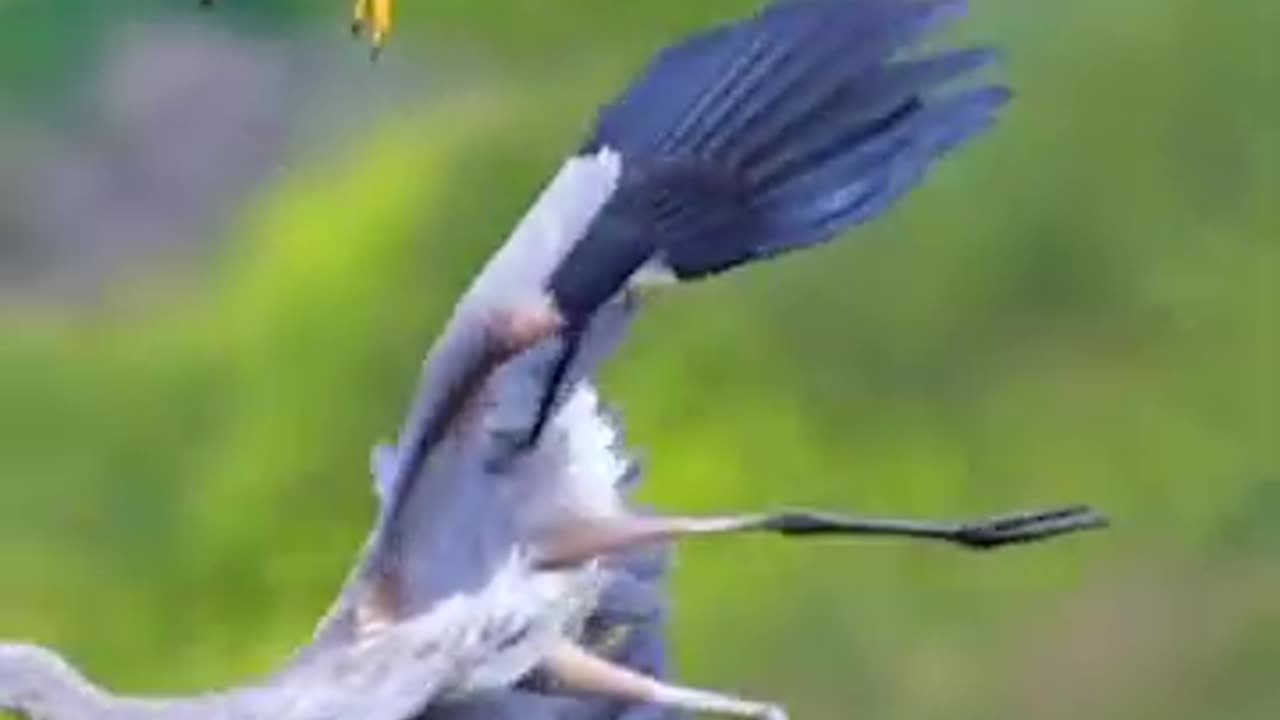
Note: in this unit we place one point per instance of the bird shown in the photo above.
(497, 566)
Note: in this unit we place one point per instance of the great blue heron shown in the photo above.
(500, 507)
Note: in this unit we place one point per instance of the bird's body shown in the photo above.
(451, 519)
(577, 470)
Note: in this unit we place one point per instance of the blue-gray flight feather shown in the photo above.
(767, 136)
(773, 134)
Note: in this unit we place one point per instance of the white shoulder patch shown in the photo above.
(558, 219)
(382, 464)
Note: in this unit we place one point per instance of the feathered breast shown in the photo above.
(579, 466)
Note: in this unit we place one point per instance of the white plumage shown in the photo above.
(560, 217)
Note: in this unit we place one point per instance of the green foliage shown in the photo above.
(1077, 308)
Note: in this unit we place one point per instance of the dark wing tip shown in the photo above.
(777, 132)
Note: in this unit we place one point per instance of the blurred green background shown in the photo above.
(226, 239)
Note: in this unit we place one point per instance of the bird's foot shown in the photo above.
(1027, 527)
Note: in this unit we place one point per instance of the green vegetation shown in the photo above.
(1077, 308)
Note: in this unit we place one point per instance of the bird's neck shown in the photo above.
(39, 685)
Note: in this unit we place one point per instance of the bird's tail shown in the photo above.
(774, 134)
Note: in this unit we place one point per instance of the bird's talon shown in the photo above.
(1027, 527)
(1022, 519)
(372, 17)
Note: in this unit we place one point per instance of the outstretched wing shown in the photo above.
(771, 135)
(768, 136)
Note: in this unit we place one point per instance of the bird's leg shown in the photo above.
(577, 671)
(575, 540)
(578, 540)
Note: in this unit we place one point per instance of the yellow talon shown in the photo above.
(373, 16)
(359, 16)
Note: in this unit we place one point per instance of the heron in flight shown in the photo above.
(498, 563)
